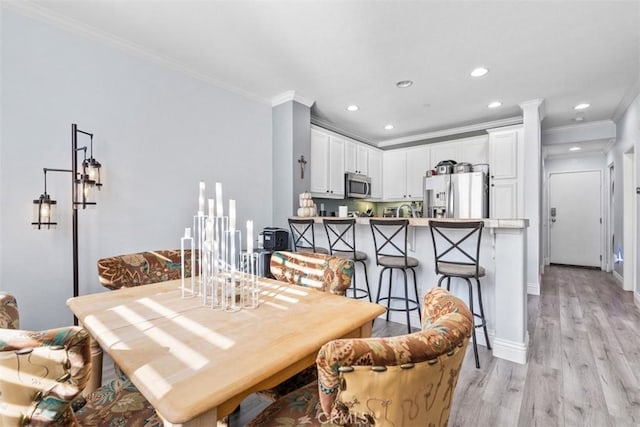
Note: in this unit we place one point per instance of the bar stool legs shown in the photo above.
(406, 298)
(483, 320)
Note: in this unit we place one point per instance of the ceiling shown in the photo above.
(354, 52)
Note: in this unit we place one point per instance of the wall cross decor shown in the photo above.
(302, 162)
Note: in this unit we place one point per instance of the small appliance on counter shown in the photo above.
(275, 239)
(271, 239)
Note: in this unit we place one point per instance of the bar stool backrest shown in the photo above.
(341, 235)
(459, 248)
(302, 234)
(390, 238)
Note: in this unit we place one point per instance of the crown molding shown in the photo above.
(453, 131)
(538, 104)
(626, 101)
(591, 131)
(85, 31)
(291, 95)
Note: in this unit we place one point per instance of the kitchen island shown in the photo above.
(504, 289)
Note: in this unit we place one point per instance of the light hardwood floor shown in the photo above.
(583, 369)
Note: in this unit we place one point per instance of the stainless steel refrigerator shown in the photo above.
(458, 195)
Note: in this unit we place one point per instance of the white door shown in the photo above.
(575, 218)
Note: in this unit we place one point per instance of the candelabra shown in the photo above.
(226, 275)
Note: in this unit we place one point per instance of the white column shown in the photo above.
(533, 113)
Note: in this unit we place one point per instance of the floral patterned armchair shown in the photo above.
(142, 268)
(327, 273)
(43, 373)
(396, 381)
(40, 372)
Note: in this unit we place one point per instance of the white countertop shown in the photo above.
(424, 222)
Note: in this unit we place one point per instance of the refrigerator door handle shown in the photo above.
(450, 201)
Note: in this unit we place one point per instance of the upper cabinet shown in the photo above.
(474, 150)
(403, 172)
(356, 157)
(505, 158)
(443, 151)
(327, 165)
(375, 172)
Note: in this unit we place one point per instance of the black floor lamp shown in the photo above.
(84, 180)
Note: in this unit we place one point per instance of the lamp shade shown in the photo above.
(85, 194)
(92, 168)
(44, 213)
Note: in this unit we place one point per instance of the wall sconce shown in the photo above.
(84, 180)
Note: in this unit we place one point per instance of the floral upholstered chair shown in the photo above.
(142, 268)
(328, 273)
(323, 272)
(405, 380)
(43, 373)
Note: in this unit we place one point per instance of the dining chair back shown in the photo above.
(143, 268)
(341, 235)
(406, 380)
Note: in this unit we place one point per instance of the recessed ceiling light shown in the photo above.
(353, 107)
(479, 72)
(582, 106)
(575, 149)
(495, 104)
(578, 118)
(388, 127)
(404, 83)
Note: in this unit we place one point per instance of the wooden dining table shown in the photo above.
(196, 364)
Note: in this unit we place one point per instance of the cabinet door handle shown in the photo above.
(493, 185)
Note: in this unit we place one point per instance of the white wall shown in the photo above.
(157, 133)
(628, 136)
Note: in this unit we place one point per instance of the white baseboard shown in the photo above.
(533, 288)
(619, 278)
(511, 350)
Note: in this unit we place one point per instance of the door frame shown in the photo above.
(629, 222)
(609, 244)
(548, 206)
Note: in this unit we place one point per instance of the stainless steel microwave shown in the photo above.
(357, 185)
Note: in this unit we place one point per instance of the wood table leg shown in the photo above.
(96, 368)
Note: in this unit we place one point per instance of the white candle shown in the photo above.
(210, 208)
(201, 199)
(219, 206)
(187, 232)
(232, 215)
(250, 237)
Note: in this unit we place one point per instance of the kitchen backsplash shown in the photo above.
(355, 205)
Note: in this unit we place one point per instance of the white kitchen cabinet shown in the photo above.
(417, 164)
(443, 151)
(374, 168)
(503, 154)
(504, 198)
(327, 165)
(356, 157)
(403, 171)
(394, 185)
(474, 150)
(505, 170)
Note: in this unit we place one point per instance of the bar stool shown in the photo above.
(304, 237)
(390, 241)
(341, 235)
(453, 259)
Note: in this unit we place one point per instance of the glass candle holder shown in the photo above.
(187, 286)
(249, 266)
